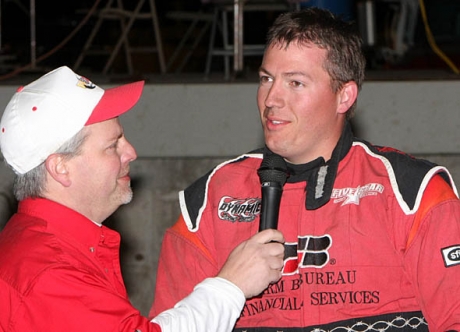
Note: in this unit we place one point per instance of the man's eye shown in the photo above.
(296, 84)
(264, 79)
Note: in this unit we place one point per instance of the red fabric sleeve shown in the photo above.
(437, 286)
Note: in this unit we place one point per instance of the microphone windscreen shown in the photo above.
(273, 169)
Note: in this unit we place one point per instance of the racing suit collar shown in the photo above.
(319, 174)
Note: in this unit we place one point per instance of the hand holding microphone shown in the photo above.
(272, 174)
(255, 263)
(259, 261)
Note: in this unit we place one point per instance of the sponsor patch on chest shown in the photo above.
(238, 210)
(354, 195)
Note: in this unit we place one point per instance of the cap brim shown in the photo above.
(116, 101)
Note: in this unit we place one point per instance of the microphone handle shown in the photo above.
(271, 197)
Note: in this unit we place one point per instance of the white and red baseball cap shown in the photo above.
(46, 113)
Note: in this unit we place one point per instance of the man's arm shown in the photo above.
(67, 298)
(216, 303)
(430, 258)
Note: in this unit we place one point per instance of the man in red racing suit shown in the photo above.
(372, 234)
(374, 252)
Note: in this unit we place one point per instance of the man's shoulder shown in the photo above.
(27, 250)
(238, 173)
(30, 251)
(402, 163)
(408, 174)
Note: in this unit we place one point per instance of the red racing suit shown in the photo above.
(372, 242)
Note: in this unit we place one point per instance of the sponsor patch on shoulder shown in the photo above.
(451, 255)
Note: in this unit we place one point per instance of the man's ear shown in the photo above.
(347, 96)
(56, 165)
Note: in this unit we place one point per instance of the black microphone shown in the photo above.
(272, 174)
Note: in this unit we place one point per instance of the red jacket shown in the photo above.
(60, 272)
(372, 242)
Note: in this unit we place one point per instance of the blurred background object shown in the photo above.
(197, 36)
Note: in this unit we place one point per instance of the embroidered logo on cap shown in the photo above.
(83, 82)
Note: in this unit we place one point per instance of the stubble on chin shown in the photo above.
(125, 194)
(127, 197)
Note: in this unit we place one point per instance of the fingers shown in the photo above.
(275, 254)
(269, 235)
(255, 263)
(274, 273)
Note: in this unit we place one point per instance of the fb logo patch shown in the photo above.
(451, 255)
(310, 251)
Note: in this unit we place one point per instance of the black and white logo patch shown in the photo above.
(451, 255)
(239, 209)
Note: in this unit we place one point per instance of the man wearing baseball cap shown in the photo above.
(59, 266)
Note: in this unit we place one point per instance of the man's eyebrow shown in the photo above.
(262, 69)
(295, 73)
(288, 74)
(116, 136)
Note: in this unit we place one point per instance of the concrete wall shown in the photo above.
(182, 130)
(222, 119)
